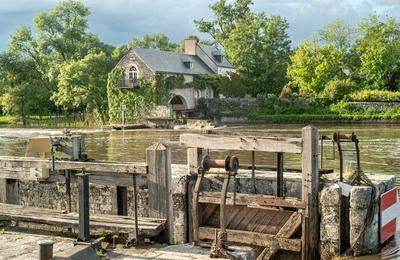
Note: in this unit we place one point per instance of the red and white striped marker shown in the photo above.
(390, 210)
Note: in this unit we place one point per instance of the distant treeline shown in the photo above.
(57, 67)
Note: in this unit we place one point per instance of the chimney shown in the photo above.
(190, 46)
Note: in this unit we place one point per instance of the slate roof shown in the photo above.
(171, 62)
(210, 51)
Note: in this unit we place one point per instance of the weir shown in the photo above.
(278, 211)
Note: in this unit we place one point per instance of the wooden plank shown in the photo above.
(253, 238)
(9, 162)
(288, 229)
(158, 157)
(310, 190)
(265, 144)
(99, 178)
(249, 199)
(194, 157)
(111, 223)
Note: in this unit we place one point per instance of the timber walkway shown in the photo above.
(147, 227)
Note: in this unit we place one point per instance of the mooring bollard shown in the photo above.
(45, 249)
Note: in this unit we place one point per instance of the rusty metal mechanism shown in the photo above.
(231, 166)
(219, 245)
(338, 139)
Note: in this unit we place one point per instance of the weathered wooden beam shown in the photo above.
(158, 157)
(287, 230)
(253, 238)
(251, 199)
(310, 193)
(99, 178)
(265, 144)
(18, 163)
(110, 223)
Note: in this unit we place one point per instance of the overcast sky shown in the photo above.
(117, 21)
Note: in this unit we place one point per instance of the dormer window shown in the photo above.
(133, 74)
(188, 63)
(218, 56)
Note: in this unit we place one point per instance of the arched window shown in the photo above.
(133, 74)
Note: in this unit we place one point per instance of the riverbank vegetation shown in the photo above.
(58, 70)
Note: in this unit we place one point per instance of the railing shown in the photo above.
(129, 83)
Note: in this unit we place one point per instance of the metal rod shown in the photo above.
(135, 209)
(279, 179)
(222, 211)
(68, 189)
(83, 189)
(322, 153)
(253, 171)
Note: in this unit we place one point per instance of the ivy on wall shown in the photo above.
(139, 102)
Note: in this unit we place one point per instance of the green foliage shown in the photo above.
(2, 232)
(336, 90)
(257, 44)
(101, 252)
(154, 41)
(139, 102)
(23, 92)
(314, 66)
(375, 96)
(338, 34)
(379, 51)
(83, 85)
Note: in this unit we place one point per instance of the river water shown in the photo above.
(379, 144)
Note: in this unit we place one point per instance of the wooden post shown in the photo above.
(194, 157)
(159, 185)
(310, 190)
(9, 191)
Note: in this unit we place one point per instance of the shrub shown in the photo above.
(375, 96)
(336, 90)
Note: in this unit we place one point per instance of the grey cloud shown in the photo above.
(117, 21)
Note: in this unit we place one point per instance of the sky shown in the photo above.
(117, 21)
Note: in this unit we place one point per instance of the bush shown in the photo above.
(336, 90)
(375, 96)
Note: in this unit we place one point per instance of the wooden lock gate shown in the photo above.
(270, 222)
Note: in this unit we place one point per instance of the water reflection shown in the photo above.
(378, 143)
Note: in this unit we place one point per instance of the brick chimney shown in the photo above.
(190, 46)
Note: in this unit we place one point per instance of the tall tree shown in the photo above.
(379, 50)
(83, 85)
(257, 44)
(313, 66)
(339, 34)
(154, 41)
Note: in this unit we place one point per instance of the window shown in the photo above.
(133, 74)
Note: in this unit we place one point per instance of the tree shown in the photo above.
(339, 34)
(83, 85)
(154, 41)
(22, 89)
(313, 66)
(58, 39)
(379, 50)
(257, 44)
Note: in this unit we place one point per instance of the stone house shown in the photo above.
(197, 59)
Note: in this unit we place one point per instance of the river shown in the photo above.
(379, 144)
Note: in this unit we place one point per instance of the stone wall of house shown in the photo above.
(131, 59)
